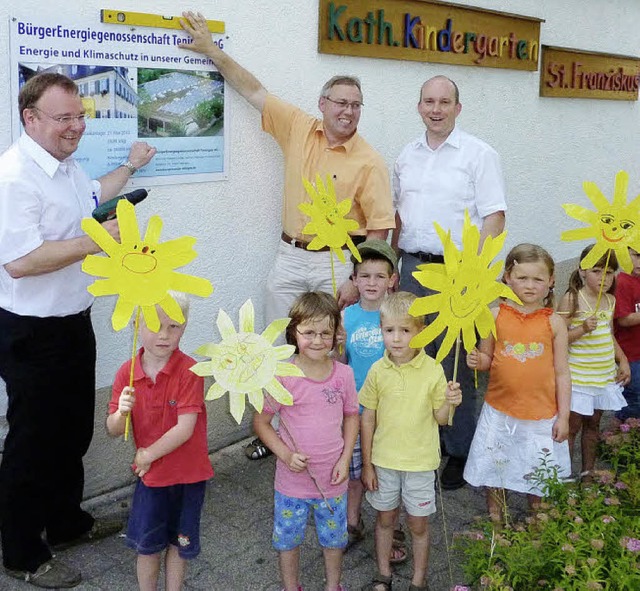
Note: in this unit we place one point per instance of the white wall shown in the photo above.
(548, 146)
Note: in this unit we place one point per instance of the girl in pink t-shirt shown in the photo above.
(314, 443)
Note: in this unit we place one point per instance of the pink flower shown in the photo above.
(608, 519)
(597, 544)
(620, 485)
(605, 476)
(578, 520)
(593, 586)
(570, 569)
(568, 548)
(625, 428)
(631, 544)
(611, 501)
(461, 588)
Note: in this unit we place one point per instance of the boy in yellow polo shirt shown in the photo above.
(405, 397)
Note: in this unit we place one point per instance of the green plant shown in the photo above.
(208, 111)
(621, 445)
(583, 536)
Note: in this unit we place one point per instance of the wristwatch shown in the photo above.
(130, 167)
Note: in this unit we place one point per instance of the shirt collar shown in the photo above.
(416, 362)
(453, 139)
(43, 159)
(138, 372)
(348, 145)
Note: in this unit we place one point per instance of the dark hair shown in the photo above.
(35, 87)
(369, 255)
(608, 260)
(531, 253)
(312, 305)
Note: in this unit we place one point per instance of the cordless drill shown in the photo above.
(107, 210)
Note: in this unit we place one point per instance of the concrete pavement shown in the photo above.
(236, 538)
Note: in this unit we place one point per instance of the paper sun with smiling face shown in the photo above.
(141, 270)
(613, 225)
(245, 363)
(327, 219)
(467, 283)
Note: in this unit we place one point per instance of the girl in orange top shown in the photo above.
(525, 416)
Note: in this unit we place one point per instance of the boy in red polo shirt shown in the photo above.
(170, 433)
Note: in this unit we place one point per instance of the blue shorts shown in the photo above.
(631, 394)
(355, 466)
(163, 515)
(290, 521)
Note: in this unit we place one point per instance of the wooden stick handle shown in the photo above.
(452, 409)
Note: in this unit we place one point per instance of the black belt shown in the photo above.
(302, 244)
(427, 257)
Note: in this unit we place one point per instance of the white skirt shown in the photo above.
(586, 399)
(506, 450)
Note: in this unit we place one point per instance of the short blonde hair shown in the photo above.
(397, 305)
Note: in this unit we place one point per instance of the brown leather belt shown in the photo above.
(302, 244)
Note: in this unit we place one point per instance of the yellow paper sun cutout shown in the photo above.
(327, 219)
(467, 282)
(614, 226)
(141, 271)
(246, 363)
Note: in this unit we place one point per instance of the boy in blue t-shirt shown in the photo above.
(363, 346)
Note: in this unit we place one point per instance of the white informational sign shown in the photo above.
(136, 84)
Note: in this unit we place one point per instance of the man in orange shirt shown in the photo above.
(310, 146)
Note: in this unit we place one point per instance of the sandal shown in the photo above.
(399, 537)
(399, 548)
(256, 450)
(356, 534)
(377, 581)
(398, 555)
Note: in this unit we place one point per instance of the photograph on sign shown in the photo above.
(135, 84)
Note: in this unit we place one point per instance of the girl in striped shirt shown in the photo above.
(593, 353)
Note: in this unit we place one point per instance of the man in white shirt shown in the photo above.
(47, 344)
(436, 177)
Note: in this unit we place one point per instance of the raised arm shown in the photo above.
(241, 80)
(577, 332)
(480, 357)
(111, 183)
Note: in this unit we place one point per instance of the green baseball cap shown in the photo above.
(378, 247)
